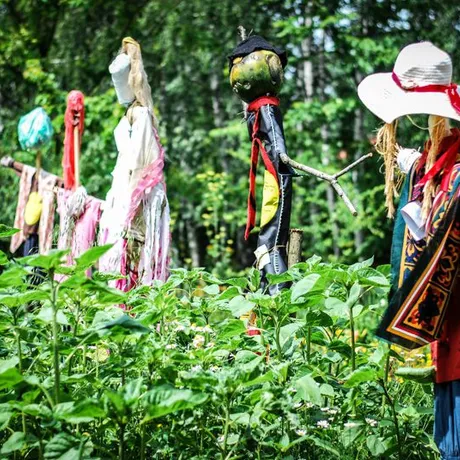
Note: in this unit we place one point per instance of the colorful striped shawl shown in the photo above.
(423, 273)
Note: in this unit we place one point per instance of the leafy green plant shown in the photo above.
(174, 373)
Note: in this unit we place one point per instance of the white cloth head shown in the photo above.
(418, 64)
(119, 70)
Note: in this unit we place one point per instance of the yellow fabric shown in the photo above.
(270, 199)
(33, 209)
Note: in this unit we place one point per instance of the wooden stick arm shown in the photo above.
(17, 167)
(332, 179)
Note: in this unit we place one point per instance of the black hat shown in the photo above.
(255, 43)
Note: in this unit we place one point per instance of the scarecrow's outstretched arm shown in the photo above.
(17, 167)
(332, 179)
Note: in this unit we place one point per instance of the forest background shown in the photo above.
(49, 47)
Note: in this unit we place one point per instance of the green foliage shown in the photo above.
(48, 48)
(175, 374)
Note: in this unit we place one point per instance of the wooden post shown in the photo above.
(38, 163)
(76, 145)
(295, 246)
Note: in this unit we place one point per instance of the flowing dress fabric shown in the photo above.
(85, 228)
(136, 207)
(46, 185)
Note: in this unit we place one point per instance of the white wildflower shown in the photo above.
(292, 390)
(350, 424)
(297, 405)
(309, 405)
(420, 355)
(333, 411)
(214, 368)
(180, 328)
(210, 344)
(207, 328)
(196, 368)
(220, 439)
(171, 346)
(325, 409)
(410, 360)
(373, 423)
(198, 341)
(301, 432)
(323, 424)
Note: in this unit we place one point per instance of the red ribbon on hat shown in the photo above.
(257, 146)
(450, 90)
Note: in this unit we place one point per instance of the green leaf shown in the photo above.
(14, 277)
(376, 445)
(92, 255)
(212, 289)
(282, 278)
(318, 318)
(124, 325)
(240, 306)
(9, 375)
(5, 419)
(3, 258)
(303, 287)
(46, 315)
(308, 390)
(371, 277)
(82, 412)
(353, 296)
(237, 282)
(232, 328)
(336, 308)
(229, 293)
(53, 260)
(327, 390)
(16, 441)
(22, 298)
(363, 374)
(64, 446)
(7, 231)
(166, 399)
(417, 374)
(358, 266)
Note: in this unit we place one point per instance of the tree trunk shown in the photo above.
(325, 152)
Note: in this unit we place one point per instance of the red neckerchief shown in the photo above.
(450, 90)
(256, 147)
(450, 147)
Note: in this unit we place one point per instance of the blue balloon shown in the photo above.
(35, 129)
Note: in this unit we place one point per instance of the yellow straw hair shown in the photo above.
(439, 128)
(137, 77)
(386, 146)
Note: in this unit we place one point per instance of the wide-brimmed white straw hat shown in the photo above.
(421, 83)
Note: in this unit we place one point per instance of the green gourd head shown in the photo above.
(260, 73)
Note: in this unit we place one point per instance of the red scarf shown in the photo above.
(257, 146)
(74, 116)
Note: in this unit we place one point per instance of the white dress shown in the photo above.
(138, 185)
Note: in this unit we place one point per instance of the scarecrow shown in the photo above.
(426, 242)
(36, 201)
(135, 216)
(256, 75)
(79, 212)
